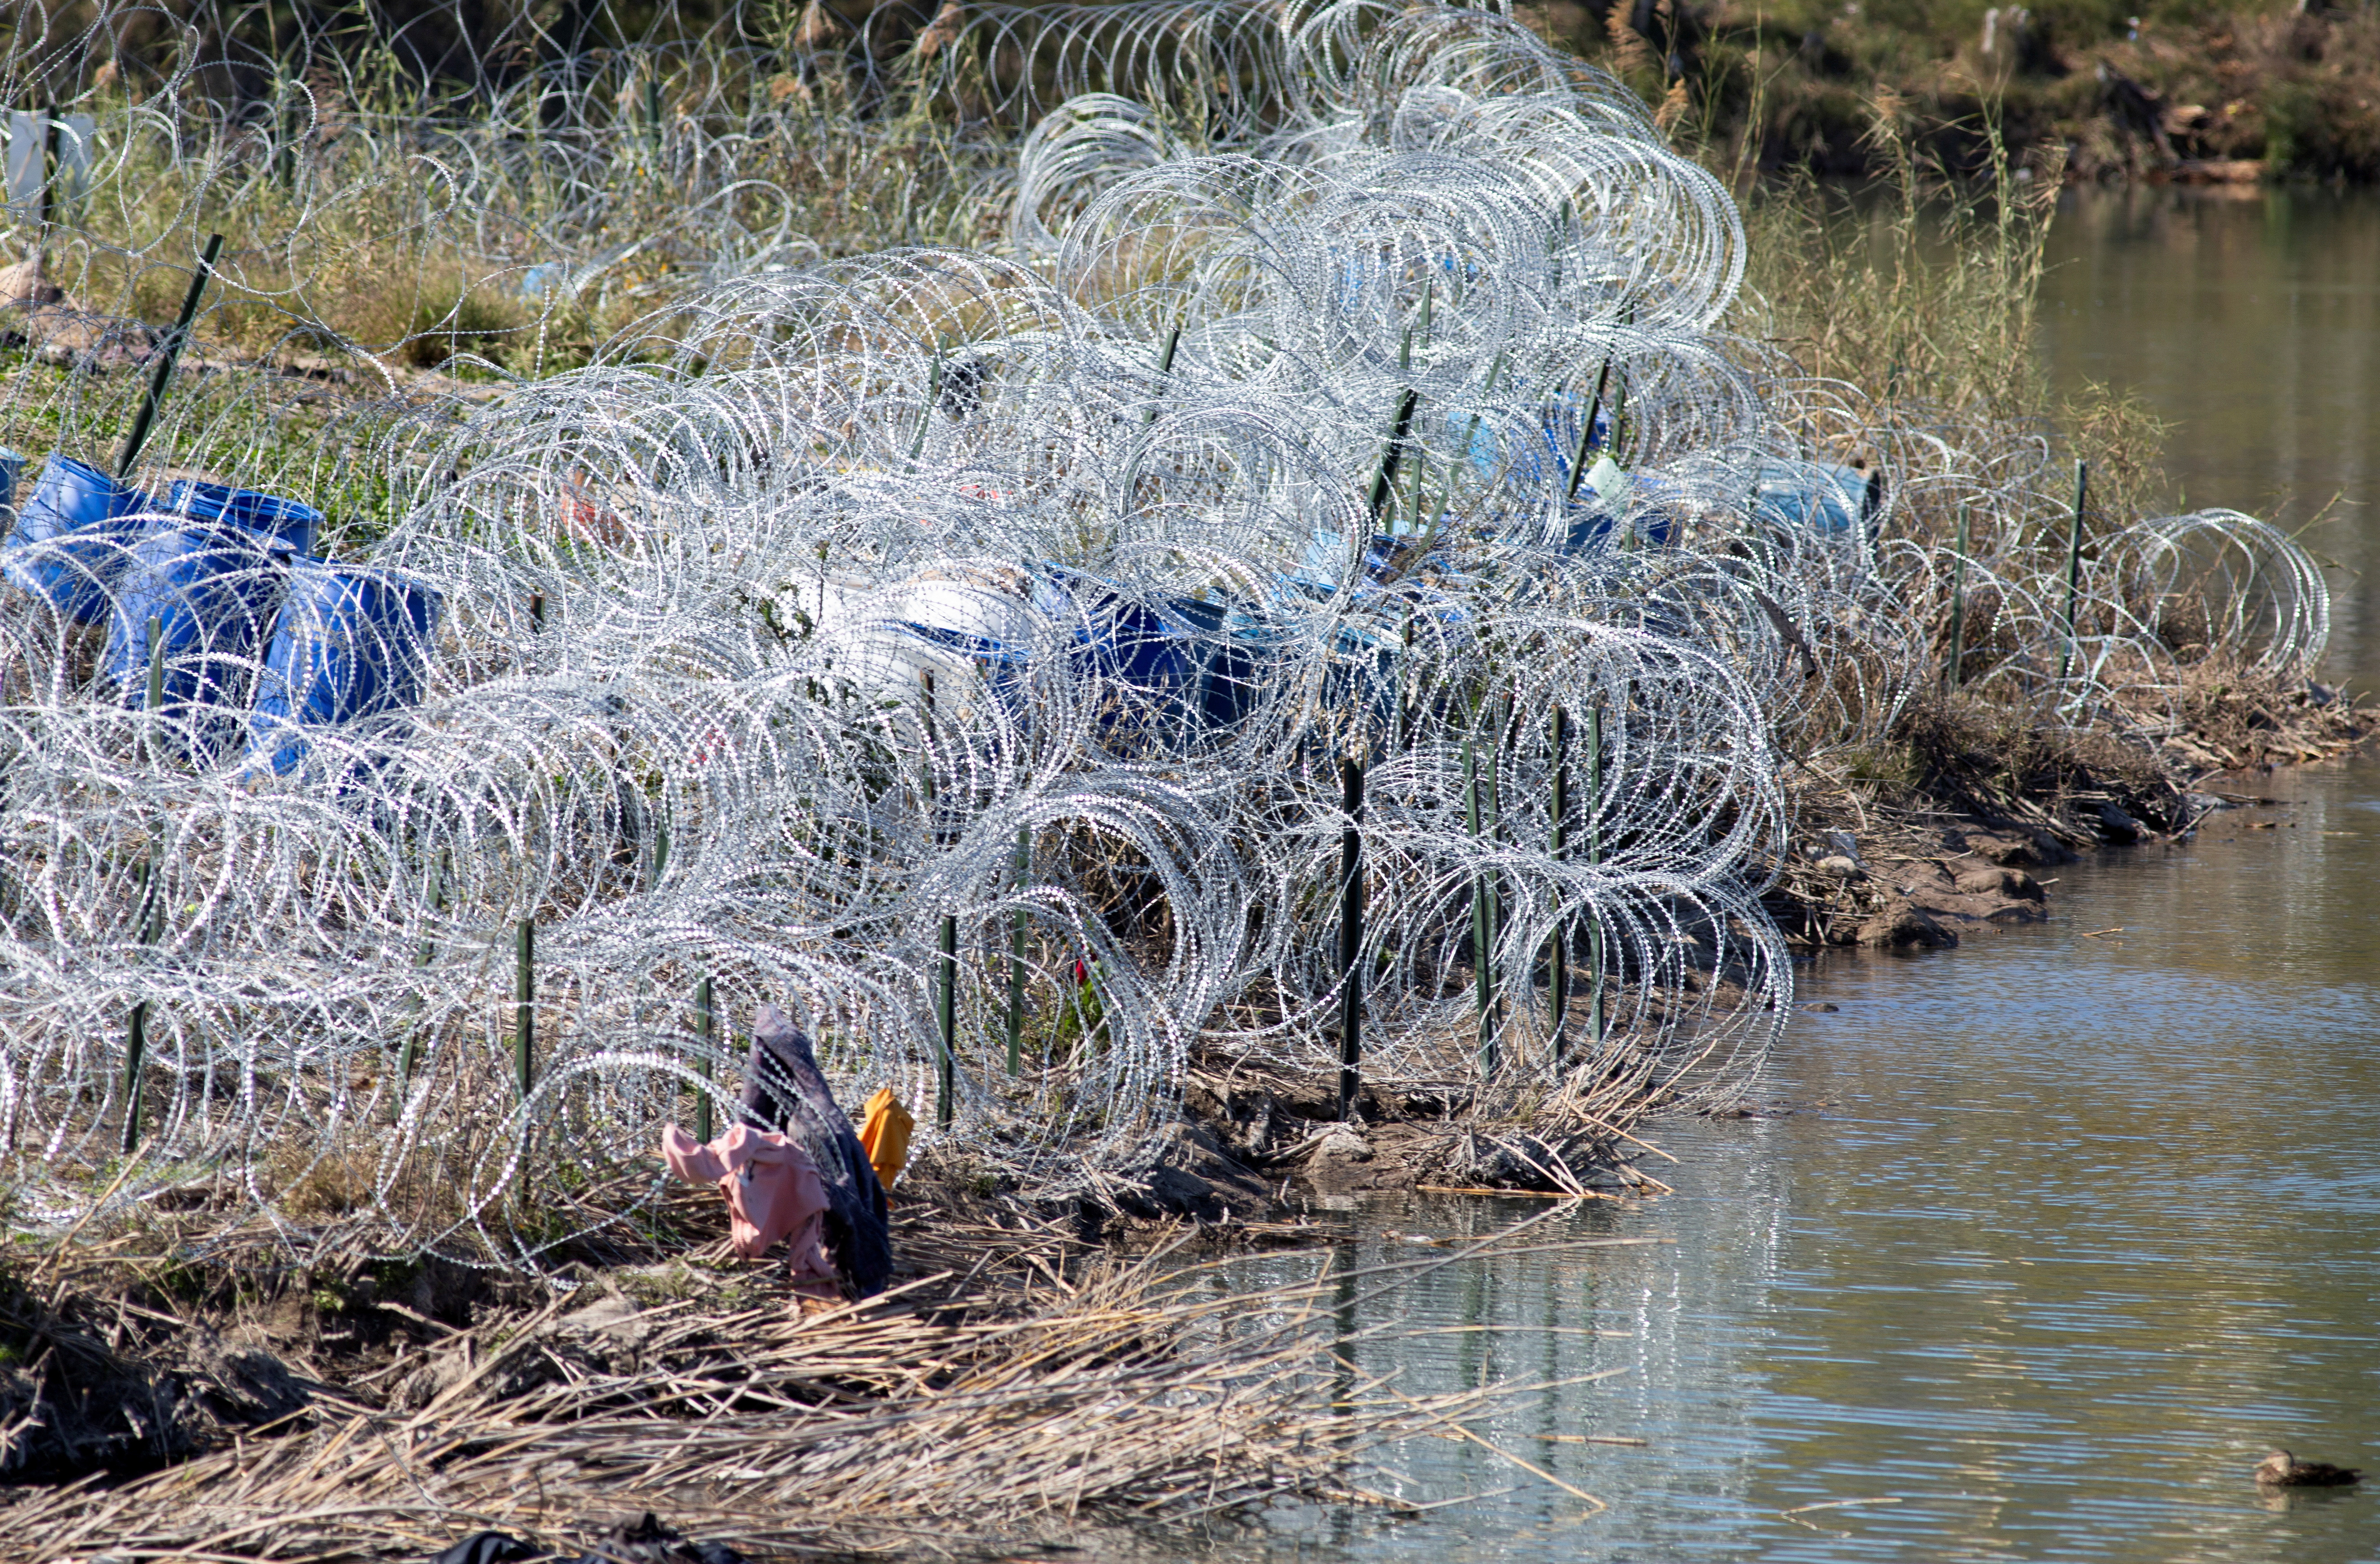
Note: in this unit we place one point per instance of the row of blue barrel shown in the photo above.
(1203, 663)
(221, 571)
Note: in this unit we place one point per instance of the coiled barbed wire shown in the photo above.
(930, 632)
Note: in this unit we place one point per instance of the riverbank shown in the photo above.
(2043, 1241)
(2194, 94)
(1013, 1387)
(849, 640)
(1942, 835)
(233, 1406)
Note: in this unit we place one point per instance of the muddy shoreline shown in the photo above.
(123, 1361)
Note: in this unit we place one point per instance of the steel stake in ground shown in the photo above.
(2074, 566)
(705, 1030)
(1557, 949)
(946, 1021)
(1958, 604)
(1351, 936)
(136, 1031)
(1482, 920)
(524, 1006)
(1595, 857)
(169, 353)
(1016, 952)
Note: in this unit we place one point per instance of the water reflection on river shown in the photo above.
(2250, 319)
(2066, 1227)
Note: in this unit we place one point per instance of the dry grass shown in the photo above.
(1924, 300)
(338, 242)
(993, 1398)
(1920, 306)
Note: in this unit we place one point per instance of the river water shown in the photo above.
(2250, 320)
(2045, 1239)
(2049, 1238)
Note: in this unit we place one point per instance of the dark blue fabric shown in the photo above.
(647, 1541)
(488, 1547)
(784, 1090)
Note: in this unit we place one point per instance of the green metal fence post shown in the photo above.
(1558, 951)
(1959, 603)
(1385, 477)
(946, 1021)
(48, 173)
(524, 1006)
(1595, 857)
(2073, 566)
(144, 923)
(1587, 430)
(169, 354)
(136, 1037)
(1016, 952)
(1164, 368)
(409, 1052)
(705, 1032)
(153, 694)
(1484, 980)
(1351, 936)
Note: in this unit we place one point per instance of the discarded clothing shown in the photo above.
(772, 1190)
(489, 1547)
(652, 1541)
(784, 1090)
(884, 1136)
(647, 1541)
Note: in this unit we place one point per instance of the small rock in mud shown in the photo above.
(2030, 849)
(1195, 1176)
(1901, 926)
(1340, 1162)
(1822, 1008)
(2015, 884)
(1838, 865)
(2116, 825)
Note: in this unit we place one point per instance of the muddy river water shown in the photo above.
(2047, 1239)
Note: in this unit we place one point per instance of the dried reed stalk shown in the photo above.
(896, 1425)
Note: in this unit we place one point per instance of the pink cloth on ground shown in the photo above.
(772, 1190)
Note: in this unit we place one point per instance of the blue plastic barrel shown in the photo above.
(294, 524)
(214, 589)
(70, 539)
(349, 643)
(1821, 496)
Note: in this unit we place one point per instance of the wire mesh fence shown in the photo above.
(911, 518)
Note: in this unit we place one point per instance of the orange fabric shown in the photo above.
(772, 1190)
(884, 1136)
